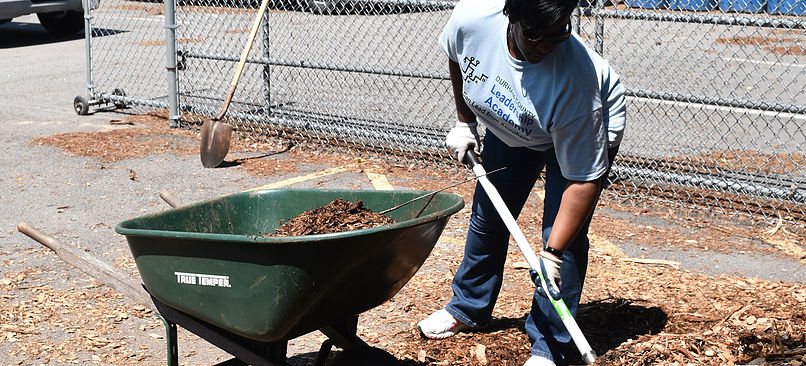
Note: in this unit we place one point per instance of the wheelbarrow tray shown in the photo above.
(212, 260)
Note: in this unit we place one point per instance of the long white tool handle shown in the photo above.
(559, 305)
(509, 220)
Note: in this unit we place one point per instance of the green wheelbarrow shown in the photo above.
(211, 263)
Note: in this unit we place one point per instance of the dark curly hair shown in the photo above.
(537, 15)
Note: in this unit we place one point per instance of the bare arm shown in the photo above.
(463, 111)
(577, 204)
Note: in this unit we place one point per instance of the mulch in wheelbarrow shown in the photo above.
(335, 217)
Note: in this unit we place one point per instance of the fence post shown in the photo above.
(599, 28)
(170, 54)
(88, 49)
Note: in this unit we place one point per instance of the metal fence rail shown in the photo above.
(716, 90)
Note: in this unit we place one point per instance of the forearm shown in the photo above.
(577, 204)
(463, 111)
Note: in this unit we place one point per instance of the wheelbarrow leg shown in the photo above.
(248, 351)
(170, 339)
(343, 334)
(324, 352)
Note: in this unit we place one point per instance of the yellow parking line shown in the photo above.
(380, 182)
(303, 178)
(605, 246)
(451, 240)
(541, 194)
(789, 248)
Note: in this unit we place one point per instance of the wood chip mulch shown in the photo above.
(337, 216)
(633, 312)
(135, 137)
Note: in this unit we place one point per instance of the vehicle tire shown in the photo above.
(323, 7)
(81, 106)
(62, 22)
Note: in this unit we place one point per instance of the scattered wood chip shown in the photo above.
(674, 264)
(479, 351)
(421, 355)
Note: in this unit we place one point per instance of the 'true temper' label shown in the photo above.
(202, 279)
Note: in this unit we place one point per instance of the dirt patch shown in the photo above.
(745, 161)
(148, 9)
(159, 8)
(141, 135)
(749, 161)
(335, 217)
(777, 45)
(136, 136)
(214, 9)
(162, 42)
(720, 163)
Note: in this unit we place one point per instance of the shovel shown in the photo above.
(534, 263)
(215, 134)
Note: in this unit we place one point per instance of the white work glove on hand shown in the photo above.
(463, 137)
(551, 266)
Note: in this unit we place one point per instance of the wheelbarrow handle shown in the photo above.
(39, 236)
(523, 244)
(170, 199)
(101, 271)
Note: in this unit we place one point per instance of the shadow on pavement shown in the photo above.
(21, 34)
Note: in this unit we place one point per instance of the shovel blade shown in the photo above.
(214, 146)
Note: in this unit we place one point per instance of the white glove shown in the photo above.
(463, 137)
(551, 264)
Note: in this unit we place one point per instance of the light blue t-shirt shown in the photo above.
(556, 103)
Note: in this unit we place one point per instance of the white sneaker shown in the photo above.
(440, 325)
(539, 361)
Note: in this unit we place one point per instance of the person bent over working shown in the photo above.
(547, 101)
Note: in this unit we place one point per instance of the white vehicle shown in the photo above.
(56, 16)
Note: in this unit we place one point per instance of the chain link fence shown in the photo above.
(716, 91)
(717, 114)
(125, 57)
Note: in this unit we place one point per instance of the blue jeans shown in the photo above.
(478, 280)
